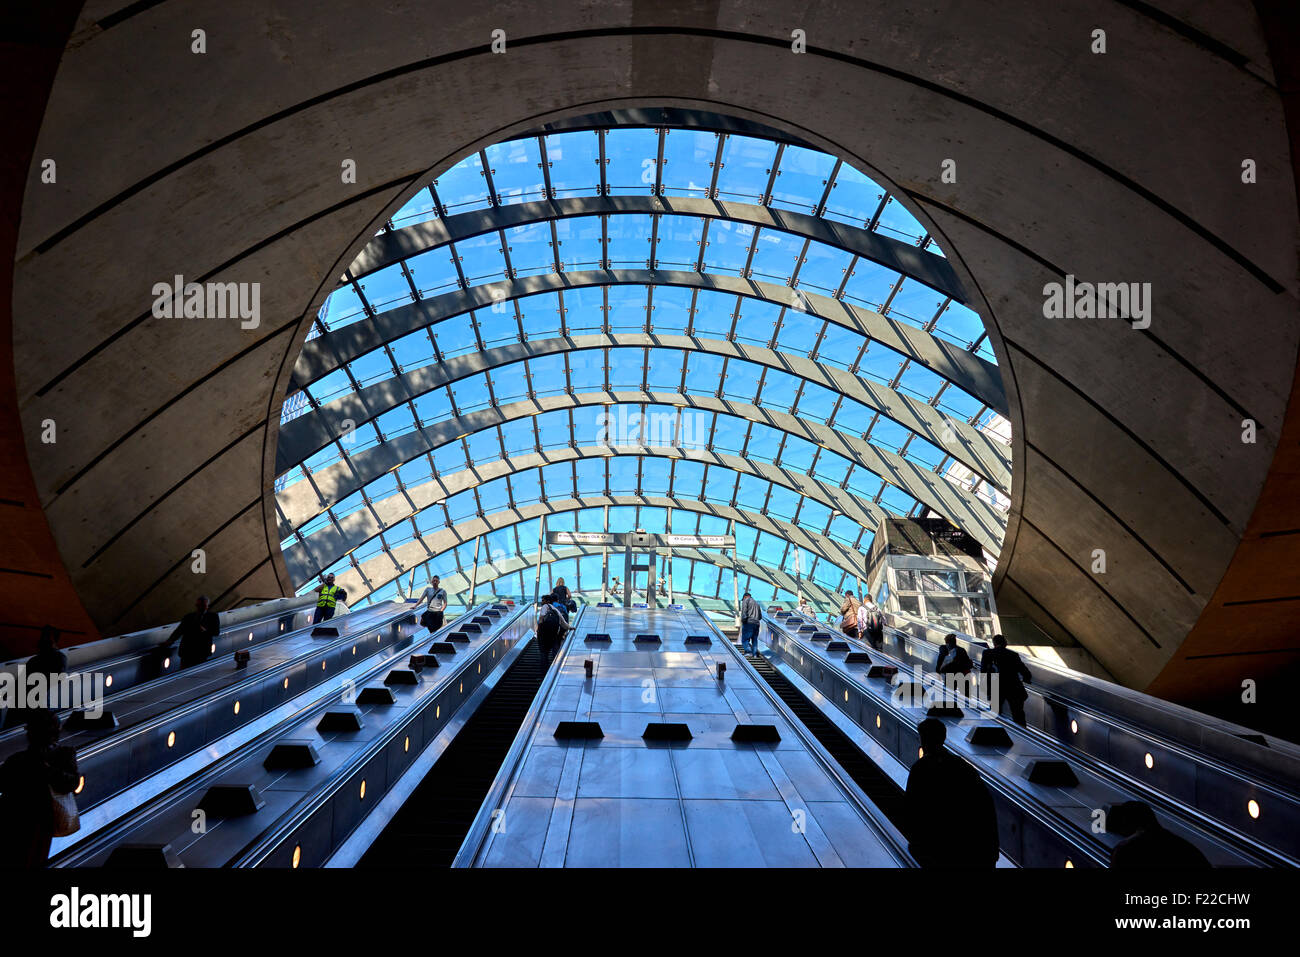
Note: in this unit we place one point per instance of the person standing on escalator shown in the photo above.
(949, 817)
(874, 629)
(551, 627)
(328, 595)
(435, 596)
(197, 632)
(849, 615)
(560, 592)
(1012, 674)
(751, 616)
(36, 794)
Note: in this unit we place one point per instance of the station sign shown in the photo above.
(640, 540)
(580, 538)
(699, 541)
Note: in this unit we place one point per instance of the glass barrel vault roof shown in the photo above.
(618, 305)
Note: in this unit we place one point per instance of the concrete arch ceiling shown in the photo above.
(1067, 163)
(346, 476)
(336, 540)
(391, 565)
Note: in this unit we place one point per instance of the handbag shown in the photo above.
(66, 819)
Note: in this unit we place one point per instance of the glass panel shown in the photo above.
(802, 179)
(936, 581)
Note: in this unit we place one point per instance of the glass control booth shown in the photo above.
(929, 570)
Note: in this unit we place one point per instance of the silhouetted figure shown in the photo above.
(28, 782)
(952, 658)
(1148, 845)
(751, 616)
(48, 660)
(949, 814)
(436, 598)
(551, 627)
(1012, 674)
(849, 615)
(196, 632)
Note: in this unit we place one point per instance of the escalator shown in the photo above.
(877, 785)
(428, 829)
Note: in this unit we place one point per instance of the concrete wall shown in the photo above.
(1123, 166)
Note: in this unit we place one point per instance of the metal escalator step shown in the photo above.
(428, 829)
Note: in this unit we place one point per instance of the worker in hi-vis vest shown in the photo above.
(328, 595)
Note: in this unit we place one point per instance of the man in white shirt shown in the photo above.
(436, 597)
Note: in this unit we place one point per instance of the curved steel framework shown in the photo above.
(707, 578)
(389, 564)
(745, 335)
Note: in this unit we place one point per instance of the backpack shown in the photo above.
(549, 618)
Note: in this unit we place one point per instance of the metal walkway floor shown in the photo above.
(638, 795)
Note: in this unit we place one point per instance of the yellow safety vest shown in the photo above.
(328, 596)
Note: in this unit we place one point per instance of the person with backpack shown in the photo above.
(551, 628)
(36, 794)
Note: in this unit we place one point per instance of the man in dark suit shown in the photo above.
(1012, 674)
(48, 660)
(197, 632)
(1147, 845)
(949, 815)
(952, 659)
